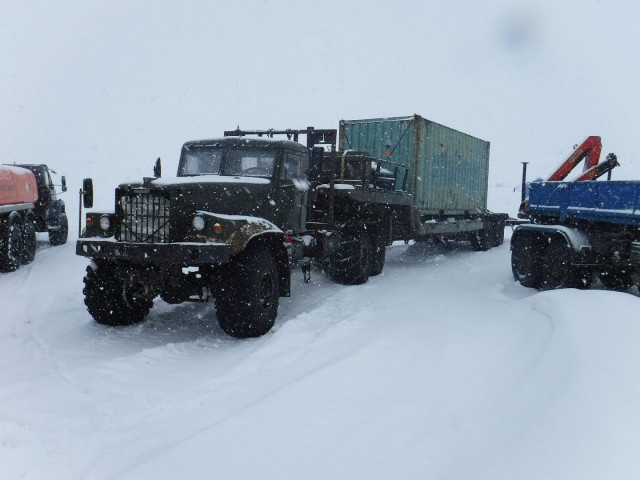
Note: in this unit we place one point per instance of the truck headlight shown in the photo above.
(105, 223)
(198, 222)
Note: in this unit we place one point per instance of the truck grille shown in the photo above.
(145, 218)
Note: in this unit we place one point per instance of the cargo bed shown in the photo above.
(611, 201)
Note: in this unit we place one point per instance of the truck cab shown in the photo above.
(259, 177)
(218, 229)
(49, 209)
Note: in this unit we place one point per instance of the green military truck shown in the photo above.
(242, 212)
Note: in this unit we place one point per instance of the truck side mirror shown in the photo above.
(87, 193)
(157, 169)
(64, 183)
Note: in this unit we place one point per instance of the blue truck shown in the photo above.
(579, 231)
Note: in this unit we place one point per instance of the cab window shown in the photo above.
(249, 162)
(292, 166)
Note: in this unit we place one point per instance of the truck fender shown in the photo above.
(275, 244)
(576, 239)
(16, 216)
(237, 230)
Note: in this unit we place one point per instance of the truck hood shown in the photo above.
(250, 196)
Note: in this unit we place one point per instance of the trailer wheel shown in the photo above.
(29, 240)
(110, 300)
(526, 260)
(618, 279)
(59, 237)
(482, 240)
(558, 272)
(11, 245)
(351, 263)
(498, 234)
(247, 305)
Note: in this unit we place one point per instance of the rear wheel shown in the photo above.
(29, 240)
(558, 272)
(247, 302)
(11, 245)
(378, 256)
(110, 300)
(351, 263)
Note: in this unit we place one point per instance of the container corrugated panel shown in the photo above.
(448, 169)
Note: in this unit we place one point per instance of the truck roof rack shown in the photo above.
(322, 136)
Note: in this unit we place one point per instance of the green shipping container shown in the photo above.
(448, 169)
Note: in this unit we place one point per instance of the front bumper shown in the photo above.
(154, 253)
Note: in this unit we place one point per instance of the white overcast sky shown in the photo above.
(89, 85)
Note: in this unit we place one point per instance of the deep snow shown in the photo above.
(443, 367)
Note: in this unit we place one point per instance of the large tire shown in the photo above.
(498, 234)
(482, 240)
(11, 245)
(59, 237)
(378, 257)
(248, 297)
(526, 260)
(351, 263)
(29, 240)
(109, 300)
(558, 272)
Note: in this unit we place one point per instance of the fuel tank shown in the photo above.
(17, 186)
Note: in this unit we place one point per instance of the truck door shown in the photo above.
(293, 192)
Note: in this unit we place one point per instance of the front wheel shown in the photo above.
(247, 298)
(526, 260)
(59, 237)
(110, 300)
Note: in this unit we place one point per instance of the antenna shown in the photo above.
(237, 100)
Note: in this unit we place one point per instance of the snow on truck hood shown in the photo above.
(210, 179)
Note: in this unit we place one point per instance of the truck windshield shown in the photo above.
(249, 162)
(201, 160)
(208, 160)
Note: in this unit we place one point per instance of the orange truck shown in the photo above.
(28, 204)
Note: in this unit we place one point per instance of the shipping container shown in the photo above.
(448, 169)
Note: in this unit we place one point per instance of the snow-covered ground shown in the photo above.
(442, 367)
